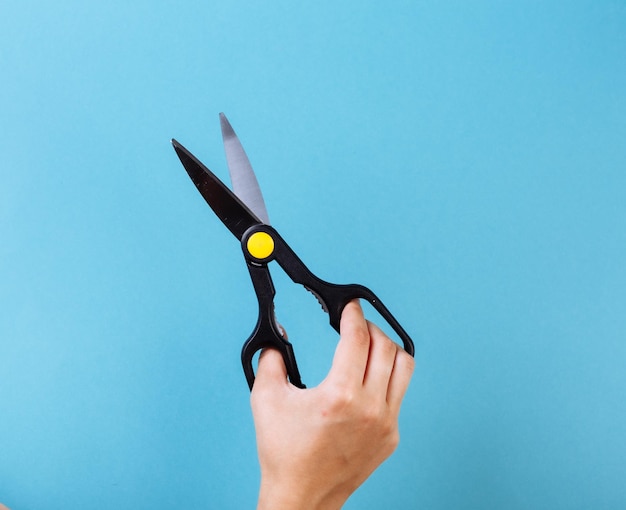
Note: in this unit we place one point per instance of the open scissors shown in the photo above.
(244, 214)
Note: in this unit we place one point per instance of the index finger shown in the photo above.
(350, 361)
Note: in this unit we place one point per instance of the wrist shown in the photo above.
(295, 495)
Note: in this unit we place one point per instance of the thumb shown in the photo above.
(271, 368)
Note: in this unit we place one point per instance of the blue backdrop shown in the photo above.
(466, 160)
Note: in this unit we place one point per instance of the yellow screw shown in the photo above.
(260, 245)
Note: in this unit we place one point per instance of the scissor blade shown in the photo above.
(242, 176)
(232, 211)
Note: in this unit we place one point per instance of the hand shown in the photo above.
(317, 446)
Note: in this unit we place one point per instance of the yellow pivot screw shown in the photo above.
(260, 245)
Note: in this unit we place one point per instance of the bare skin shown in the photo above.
(317, 446)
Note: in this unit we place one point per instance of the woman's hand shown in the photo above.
(316, 446)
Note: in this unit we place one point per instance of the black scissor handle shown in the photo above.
(334, 299)
(262, 244)
(266, 332)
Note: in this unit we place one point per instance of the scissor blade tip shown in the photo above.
(178, 147)
(227, 129)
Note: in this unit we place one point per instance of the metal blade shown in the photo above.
(242, 176)
(232, 211)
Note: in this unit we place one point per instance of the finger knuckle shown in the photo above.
(388, 347)
(386, 429)
(361, 337)
(343, 399)
(393, 440)
(375, 417)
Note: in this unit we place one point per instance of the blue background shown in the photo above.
(466, 160)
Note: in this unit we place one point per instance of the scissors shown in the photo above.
(244, 213)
